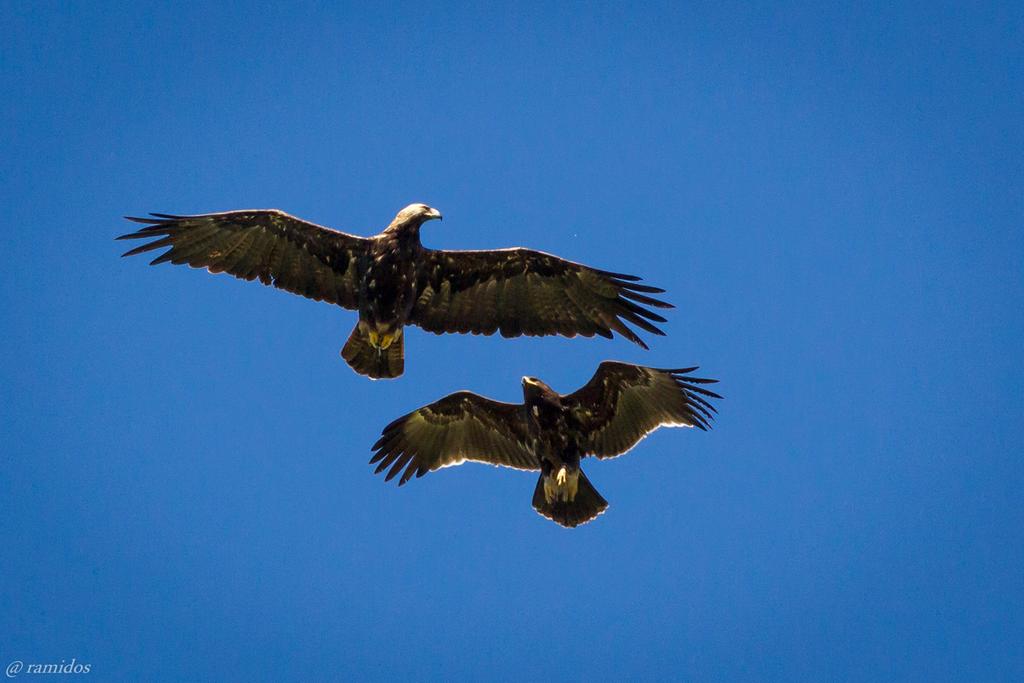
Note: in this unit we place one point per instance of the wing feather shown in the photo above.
(622, 403)
(524, 292)
(264, 244)
(461, 426)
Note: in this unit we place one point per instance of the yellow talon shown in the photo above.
(382, 340)
(561, 476)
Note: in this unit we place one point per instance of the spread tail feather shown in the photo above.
(373, 361)
(587, 504)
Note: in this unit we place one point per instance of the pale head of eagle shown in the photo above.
(414, 215)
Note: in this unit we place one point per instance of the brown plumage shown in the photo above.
(393, 281)
(550, 432)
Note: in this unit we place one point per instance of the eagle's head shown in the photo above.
(415, 215)
(536, 390)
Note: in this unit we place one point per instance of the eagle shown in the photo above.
(551, 432)
(392, 280)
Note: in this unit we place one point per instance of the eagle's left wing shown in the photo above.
(278, 249)
(622, 403)
(520, 291)
(459, 427)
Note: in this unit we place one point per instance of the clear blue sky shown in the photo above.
(832, 197)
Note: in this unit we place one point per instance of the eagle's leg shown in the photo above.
(375, 350)
(389, 338)
(572, 484)
(382, 340)
(562, 487)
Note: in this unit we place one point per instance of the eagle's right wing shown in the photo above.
(521, 291)
(281, 250)
(461, 426)
(622, 403)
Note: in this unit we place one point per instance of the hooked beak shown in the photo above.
(434, 213)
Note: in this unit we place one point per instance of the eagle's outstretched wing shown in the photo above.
(622, 403)
(461, 426)
(280, 250)
(519, 291)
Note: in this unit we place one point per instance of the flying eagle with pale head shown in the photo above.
(394, 281)
(548, 431)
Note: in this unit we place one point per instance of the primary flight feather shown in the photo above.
(392, 280)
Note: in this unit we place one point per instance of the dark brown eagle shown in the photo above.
(393, 280)
(550, 432)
